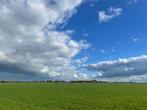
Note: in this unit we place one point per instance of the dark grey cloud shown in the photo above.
(16, 68)
(134, 66)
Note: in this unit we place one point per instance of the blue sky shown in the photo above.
(73, 40)
(116, 36)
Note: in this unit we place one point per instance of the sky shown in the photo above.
(73, 40)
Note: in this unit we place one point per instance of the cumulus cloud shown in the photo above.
(121, 69)
(82, 60)
(105, 16)
(29, 42)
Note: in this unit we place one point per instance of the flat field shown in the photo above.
(86, 96)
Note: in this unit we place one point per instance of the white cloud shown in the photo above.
(85, 34)
(132, 1)
(125, 69)
(105, 16)
(112, 50)
(29, 40)
(82, 60)
(102, 51)
(135, 39)
(117, 43)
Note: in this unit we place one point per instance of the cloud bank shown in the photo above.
(134, 69)
(30, 43)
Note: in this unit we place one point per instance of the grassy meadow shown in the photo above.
(86, 96)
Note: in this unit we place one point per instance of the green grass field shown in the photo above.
(52, 96)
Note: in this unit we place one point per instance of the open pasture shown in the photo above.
(65, 96)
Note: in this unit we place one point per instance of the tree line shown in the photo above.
(53, 81)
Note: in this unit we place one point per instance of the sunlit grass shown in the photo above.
(53, 96)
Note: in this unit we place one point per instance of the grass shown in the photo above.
(53, 96)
